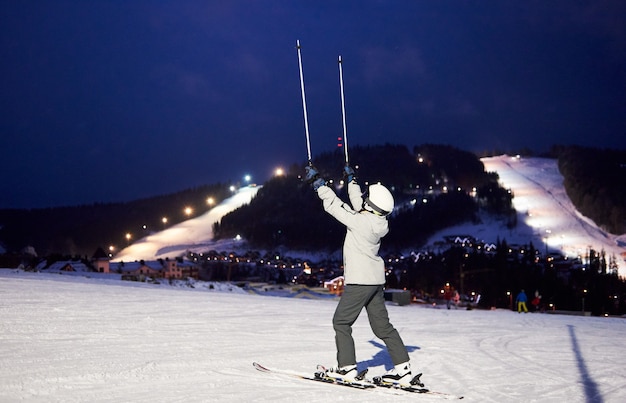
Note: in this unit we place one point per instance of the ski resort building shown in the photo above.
(166, 269)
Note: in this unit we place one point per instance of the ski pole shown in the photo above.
(306, 120)
(343, 113)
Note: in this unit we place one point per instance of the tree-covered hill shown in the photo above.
(595, 181)
(434, 187)
(80, 230)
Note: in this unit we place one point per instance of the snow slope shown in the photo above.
(72, 339)
(543, 205)
(195, 234)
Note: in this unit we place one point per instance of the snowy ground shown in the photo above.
(72, 339)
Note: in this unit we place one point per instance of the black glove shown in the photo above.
(348, 174)
(311, 174)
(312, 177)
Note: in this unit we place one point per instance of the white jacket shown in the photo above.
(361, 263)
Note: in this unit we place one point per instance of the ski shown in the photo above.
(360, 383)
(416, 385)
(318, 377)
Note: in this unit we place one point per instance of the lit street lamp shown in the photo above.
(128, 236)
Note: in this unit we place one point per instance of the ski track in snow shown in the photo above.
(72, 339)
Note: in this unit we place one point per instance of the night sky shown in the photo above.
(105, 101)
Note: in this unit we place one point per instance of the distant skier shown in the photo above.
(447, 295)
(364, 274)
(536, 301)
(456, 298)
(521, 300)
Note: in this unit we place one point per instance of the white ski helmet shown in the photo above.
(379, 200)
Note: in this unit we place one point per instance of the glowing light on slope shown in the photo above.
(175, 240)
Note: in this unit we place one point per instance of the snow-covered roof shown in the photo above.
(59, 266)
(126, 267)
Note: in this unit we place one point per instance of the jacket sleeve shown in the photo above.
(334, 206)
(355, 195)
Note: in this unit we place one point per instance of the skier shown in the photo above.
(364, 274)
(456, 298)
(521, 302)
(447, 295)
(536, 301)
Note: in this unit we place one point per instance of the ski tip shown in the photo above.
(259, 367)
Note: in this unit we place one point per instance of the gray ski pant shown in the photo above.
(352, 302)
